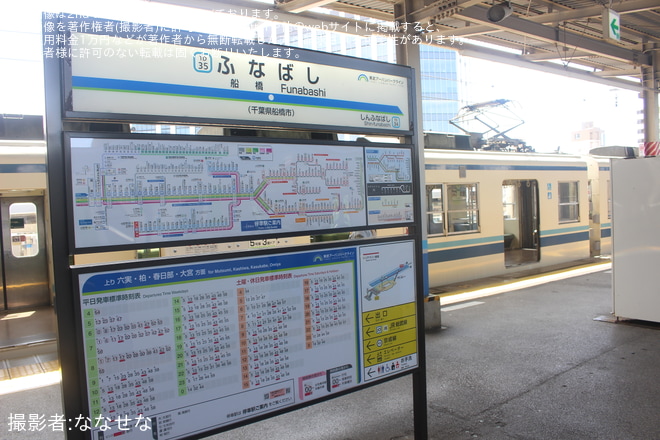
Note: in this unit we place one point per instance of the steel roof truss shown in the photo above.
(555, 35)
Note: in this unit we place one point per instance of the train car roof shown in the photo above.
(22, 151)
(490, 156)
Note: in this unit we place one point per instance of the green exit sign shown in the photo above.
(611, 25)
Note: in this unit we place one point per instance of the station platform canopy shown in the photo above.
(608, 42)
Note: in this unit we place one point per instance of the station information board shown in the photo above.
(185, 346)
(136, 191)
(178, 349)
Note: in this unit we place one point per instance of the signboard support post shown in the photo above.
(65, 308)
(410, 55)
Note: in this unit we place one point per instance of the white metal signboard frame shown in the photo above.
(635, 239)
(183, 347)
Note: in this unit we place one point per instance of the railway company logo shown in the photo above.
(381, 80)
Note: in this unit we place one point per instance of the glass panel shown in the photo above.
(435, 209)
(568, 202)
(568, 192)
(568, 213)
(509, 201)
(463, 221)
(24, 233)
(462, 208)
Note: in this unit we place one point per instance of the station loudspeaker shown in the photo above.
(498, 13)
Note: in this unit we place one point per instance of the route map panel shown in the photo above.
(388, 312)
(389, 185)
(185, 348)
(130, 191)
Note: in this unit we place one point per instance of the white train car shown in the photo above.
(489, 213)
(24, 273)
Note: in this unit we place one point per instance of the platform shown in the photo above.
(536, 363)
(27, 343)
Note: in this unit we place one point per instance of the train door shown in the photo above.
(24, 260)
(520, 199)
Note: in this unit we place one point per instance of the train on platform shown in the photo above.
(487, 214)
(25, 263)
(491, 213)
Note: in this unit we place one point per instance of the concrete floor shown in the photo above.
(544, 362)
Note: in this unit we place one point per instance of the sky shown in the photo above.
(554, 106)
(551, 106)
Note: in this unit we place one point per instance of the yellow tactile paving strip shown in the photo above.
(27, 366)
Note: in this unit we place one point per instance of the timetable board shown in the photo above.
(186, 348)
(132, 191)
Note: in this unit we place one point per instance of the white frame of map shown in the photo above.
(150, 190)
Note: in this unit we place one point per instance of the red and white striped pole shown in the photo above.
(652, 148)
(651, 85)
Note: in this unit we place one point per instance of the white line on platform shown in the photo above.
(461, 306)
(30, 382)
(533, 281)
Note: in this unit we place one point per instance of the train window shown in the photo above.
(24, 233)
(452, 209)
(435, 211)
(509, 198)
(569, 202)
(462, 208)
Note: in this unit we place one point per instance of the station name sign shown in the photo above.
(176, 77)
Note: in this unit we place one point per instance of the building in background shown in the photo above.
(586, 139)
(440, 72)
